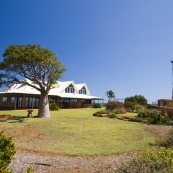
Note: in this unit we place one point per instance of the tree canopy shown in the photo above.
(130, 103)
(110, 94)
(32, 62)
(137, 99)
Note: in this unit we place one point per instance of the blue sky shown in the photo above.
(120, 45)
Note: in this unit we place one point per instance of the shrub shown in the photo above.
(160, 120)
(153, 160)
(148, 113)
(119, 105)
(154, 117)
(112, 105)
(120, 111)
(96, 105)
(170, 114)
(7, 151)
(130, 106)
(112, 115)
(137, 119)
(139, 108)
(53, 106)
(30, 169)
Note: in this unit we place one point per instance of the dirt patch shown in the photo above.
(25, 134)
(159, 131)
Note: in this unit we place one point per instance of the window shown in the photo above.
(26, 102)
(19, 102)
(64, 101)
(73, 100)
(69, 90)
(4, 99)
(161, 103)
(86, 101)
(82, 91)
(12, 99)
(31, 102)
(52, 100)
(37, 102)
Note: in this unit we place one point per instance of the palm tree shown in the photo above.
(110, 94)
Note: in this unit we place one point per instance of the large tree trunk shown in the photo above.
(43, 111)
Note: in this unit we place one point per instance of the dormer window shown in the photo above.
(69, 90)
(82, 91)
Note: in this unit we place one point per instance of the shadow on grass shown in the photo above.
(17, 119)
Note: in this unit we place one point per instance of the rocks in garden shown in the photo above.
(5, 117)
(125, 118)
(100, 114)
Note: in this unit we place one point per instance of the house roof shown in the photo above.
(165, 100)
(80, 86)
(58, 90)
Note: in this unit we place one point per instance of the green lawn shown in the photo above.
(75, 132)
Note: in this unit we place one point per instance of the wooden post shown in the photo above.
(15, 103)
(61, 102)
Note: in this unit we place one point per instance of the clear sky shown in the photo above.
(120, 45)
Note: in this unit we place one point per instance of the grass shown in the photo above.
(75, 132)
(128, 114)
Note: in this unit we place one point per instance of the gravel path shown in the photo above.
(64, 164)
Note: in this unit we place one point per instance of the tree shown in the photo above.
(110, 94)
(131, 102)
(137, 99)
(34, 63)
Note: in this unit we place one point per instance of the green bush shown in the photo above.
(130, 106)
(53, 106)
(110, 106)
(160, 120)
(96, 105)
(154, 117)
(153, 160)
(137, 119)
(112, 115)
(7, 151)
(30, 169)
(139, 108)
(113, 105)
(148, 113)
(119, 111)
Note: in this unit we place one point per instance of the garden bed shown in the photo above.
(5, 117)
(126, 118)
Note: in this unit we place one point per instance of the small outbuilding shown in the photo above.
(165, 102)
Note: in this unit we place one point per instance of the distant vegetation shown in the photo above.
(132, 103)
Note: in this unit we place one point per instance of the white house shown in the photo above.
(65, 94)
